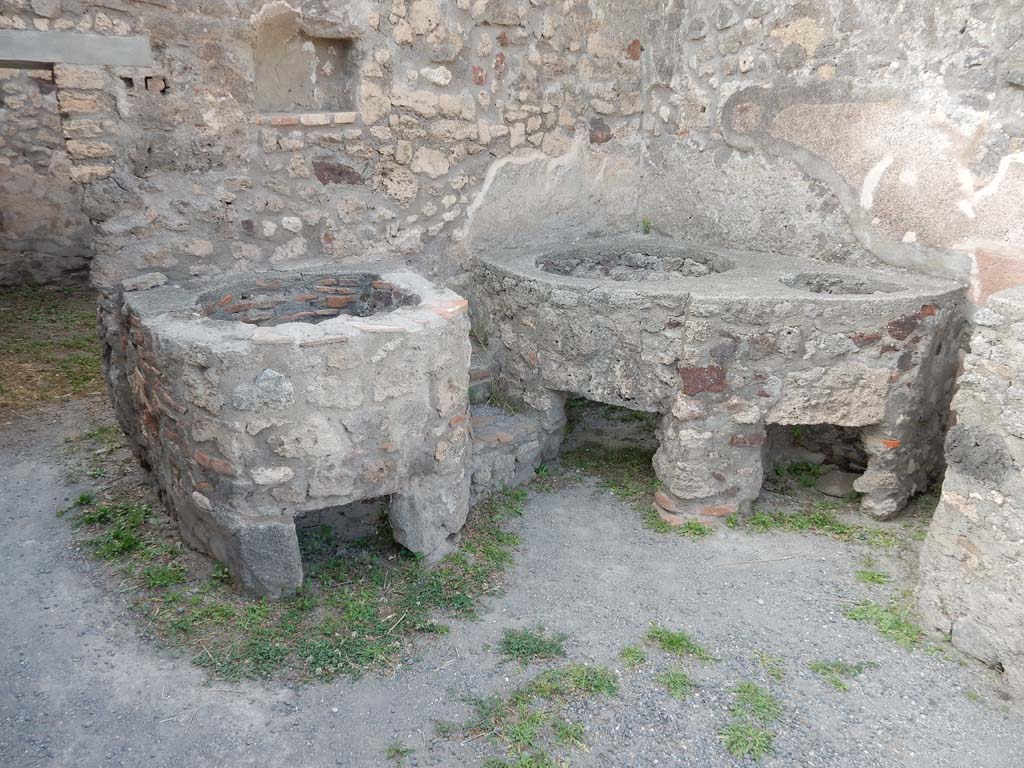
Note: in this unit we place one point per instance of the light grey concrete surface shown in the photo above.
(79, 688)
(51, 47)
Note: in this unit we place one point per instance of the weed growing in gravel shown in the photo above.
(527, 645)
(633, 656)
(894, 621)
(529, 720)
(535, 760)
(753, 709)
(397, 751)
(678, 682)
(836, 673)
(359, 609)
(747, 740)
(821, 520)
(156, 576)
(772, 665)
(690, 529)
(677, 643)
(867, 576)
(122, 532)
(83, 500)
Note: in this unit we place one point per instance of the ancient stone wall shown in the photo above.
(972, 565)
(44, 234)
(830, 129)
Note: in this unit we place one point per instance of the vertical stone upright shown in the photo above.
(972, 565)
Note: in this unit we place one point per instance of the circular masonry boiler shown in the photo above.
(261, 398)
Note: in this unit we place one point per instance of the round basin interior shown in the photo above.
(633, 261)
(838, 284)
(304, 298)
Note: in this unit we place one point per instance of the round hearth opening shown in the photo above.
(304, 298)
(634, 261)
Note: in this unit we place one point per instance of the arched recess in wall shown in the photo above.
(296, 71)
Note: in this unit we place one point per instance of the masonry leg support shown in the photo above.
(263, 556)
(427, 515)
(709, 467)
(902, 461)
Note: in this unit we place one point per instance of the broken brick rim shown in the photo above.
(304, 298)
(182, 306)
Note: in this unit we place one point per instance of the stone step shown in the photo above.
(506, 449)
(481, 373)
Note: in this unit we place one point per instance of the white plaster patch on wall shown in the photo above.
(872, 180)
(1004, 167)
(553, 166)
(966, 177)
(492, 174)
(975, 280)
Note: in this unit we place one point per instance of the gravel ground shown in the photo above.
(78, 687)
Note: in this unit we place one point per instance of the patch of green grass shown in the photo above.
(755, 703)
(528, 645)
(574, 680)
(820, 520)
(867, 576)
(568, 733)
(677, 643)
(772, 665)
(633, 656)
(678, 683)
(626, 472)
(122, 526)
(753, 710)
(743, 739)
(836, 673)
(397, 751)
(645, 225)
(156, 576)
(109, 436)
(49, 345)
(690, 529)
(894, 621)
(532, 760)
(529, 720)
(359, 609)
(805, 473)
(629, 475)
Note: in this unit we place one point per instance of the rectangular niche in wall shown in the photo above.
(296, 72)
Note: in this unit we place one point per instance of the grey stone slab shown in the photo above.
(33, 47)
